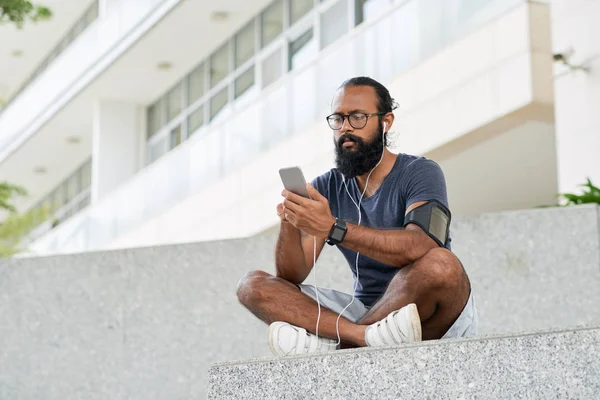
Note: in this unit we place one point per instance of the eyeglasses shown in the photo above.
(357, 120)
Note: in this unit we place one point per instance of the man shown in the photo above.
(392, 211)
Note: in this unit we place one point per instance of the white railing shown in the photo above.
(76, 66)
(383, 49)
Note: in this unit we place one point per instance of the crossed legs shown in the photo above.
(436, 283)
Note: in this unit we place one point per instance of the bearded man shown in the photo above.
(388, 214)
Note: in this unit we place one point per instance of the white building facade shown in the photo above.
(165, 121)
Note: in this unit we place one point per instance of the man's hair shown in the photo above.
(385, 102)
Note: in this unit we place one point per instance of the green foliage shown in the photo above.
(19, 11)
(15, 226)
(7, 192)
(590, 195)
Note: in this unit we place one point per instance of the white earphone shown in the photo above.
(357, 281)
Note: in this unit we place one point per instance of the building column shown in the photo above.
(117, 145)
(577, 91)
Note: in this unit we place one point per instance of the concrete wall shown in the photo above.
(147, 323)
(541, 366)
(575, 32)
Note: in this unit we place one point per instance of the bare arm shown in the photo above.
(397, 247)
(294, 253)
(394, 247)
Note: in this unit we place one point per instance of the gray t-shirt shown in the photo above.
(412, 179)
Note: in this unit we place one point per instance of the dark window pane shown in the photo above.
(299, 8)
(174, 102)
(175, 139)
(219, 65)
(271, 22)
(196, 84)
(244, 44)
(218, 102)
(156, 117)
(244, 82)
(195, 120)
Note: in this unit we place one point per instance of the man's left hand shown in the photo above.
(311, 216)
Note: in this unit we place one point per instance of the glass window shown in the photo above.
(302, 50)
(175, 137)
(195, 120)
(334, 23)
(299, 8)
(174, 102)
(271, 22)
(218, 102)
(196, 84)
(73, 186)
(244, 44)
(219, 65)
(244, 82)
(156, 117)
(271, 68)
(86, 175)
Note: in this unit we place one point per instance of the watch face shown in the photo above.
(337, 234)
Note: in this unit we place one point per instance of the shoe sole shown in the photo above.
(415, 321)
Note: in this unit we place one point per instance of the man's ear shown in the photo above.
(388, 120)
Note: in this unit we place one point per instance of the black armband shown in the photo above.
(433, 218)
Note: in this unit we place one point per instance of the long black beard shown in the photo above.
(362, 159)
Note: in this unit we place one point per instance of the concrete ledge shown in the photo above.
(560, 364)
(146, 323)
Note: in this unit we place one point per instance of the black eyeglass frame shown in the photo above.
(347, 116)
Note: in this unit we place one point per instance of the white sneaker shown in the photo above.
(401, 326)
(286, 339)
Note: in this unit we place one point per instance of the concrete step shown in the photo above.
(559, 364)
(147, 323)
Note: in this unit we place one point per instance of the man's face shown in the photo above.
(358, 150)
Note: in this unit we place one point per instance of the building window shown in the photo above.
(175, 137)
(155, 117)
(195, 120)
(302, 50)
(271, 68)
(219, 65)
(334, 23)
(218, 102)
(244, 82)
(271, 22)
(174, 102)
(196, 84)
(299, 8)
(244, 44)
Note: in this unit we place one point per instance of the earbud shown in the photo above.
(384, 127)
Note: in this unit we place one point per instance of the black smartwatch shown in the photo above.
(337, 232)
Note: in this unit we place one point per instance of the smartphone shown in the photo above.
(293, 180)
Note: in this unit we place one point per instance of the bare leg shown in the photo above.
(436, 283)
(274, 299)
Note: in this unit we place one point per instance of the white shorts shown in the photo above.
(466, 325)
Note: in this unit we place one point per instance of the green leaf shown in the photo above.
(19, 11)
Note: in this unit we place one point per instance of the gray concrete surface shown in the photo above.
(538, 366)
(147, 323)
